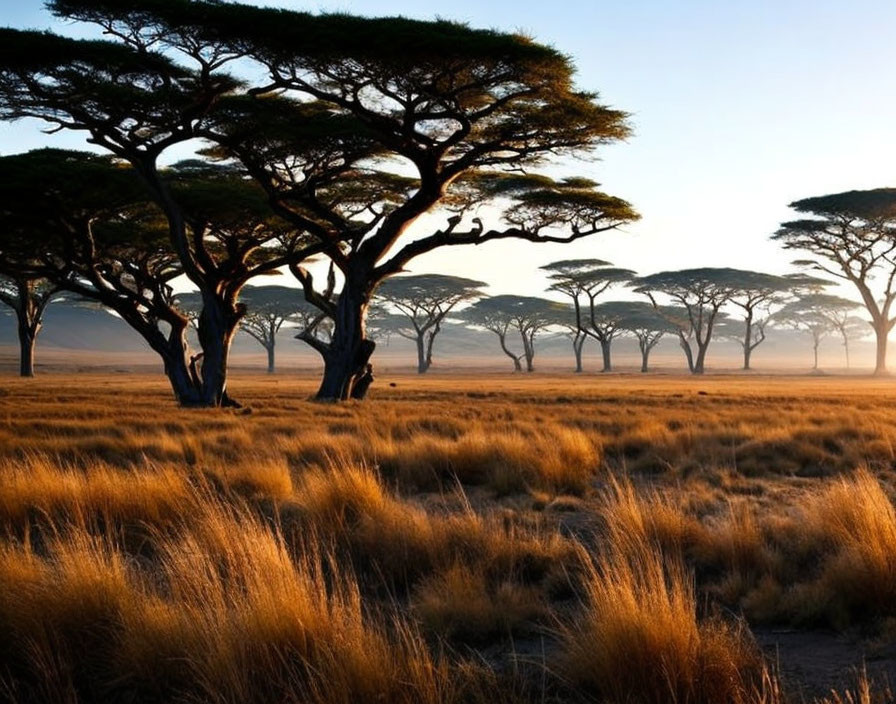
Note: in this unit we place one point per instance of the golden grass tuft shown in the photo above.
(638, 638)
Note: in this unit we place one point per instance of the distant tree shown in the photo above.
(584, 280)
(852, 236)
(815, 314)
(754, 293)
(647, 325)
(524, 315)
(267, 309)
(28, 297)
(425, 300)
(701, 293)
(850, 327)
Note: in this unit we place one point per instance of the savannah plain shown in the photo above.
(455, 538)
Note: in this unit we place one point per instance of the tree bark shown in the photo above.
(218, 323)
(271, 362)
(502, 337)
(28, 330)
(748, 339)
(688, 352)
(605, 354)
(578, 344)
(645, 355)
(748, 353)
(701, 358)
(422, 361)
(349, 351)
(881, 332)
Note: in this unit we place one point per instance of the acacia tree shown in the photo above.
(525, 315)
(647, 325)
(754, 293)
(425, 300)
(134, 101)
(570, 320)
(815, 313)
(439, 97)
(701, 293)
(584, 280)
(28, 297)
(81, 222)
(852, 236)
(267, 309)
(100, 237)
(850, 327)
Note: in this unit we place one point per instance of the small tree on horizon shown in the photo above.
(28, 297)
(425, 300)
(815, 313)
(701, 294)
(525, 315)
(584, 280)
(267, 309)
(647, 325)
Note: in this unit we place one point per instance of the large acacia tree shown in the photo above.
(97, 232)
(137, 103)
(82, 223)
(387, 116)
(852, 236)
(424, 301)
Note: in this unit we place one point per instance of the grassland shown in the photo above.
(453, 539)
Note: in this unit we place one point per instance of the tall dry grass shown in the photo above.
(403, 550)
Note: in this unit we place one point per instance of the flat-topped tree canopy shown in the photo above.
(874, 204)
(425, 300)
(475, 93)
(427, 292)
(132, 103)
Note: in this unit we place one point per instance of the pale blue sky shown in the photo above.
(738, 108)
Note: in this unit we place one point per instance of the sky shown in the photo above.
(737, 108)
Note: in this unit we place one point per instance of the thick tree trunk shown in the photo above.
(271, 361)
(27, 337)
(529, 352)
(701, 358)
(748, 353)
(218, 323)
(422, 360)
(645, 355)
(605, 354)
(688, 353)
(815, 352)
(880, 363)
(346, 361)
(578, 345)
